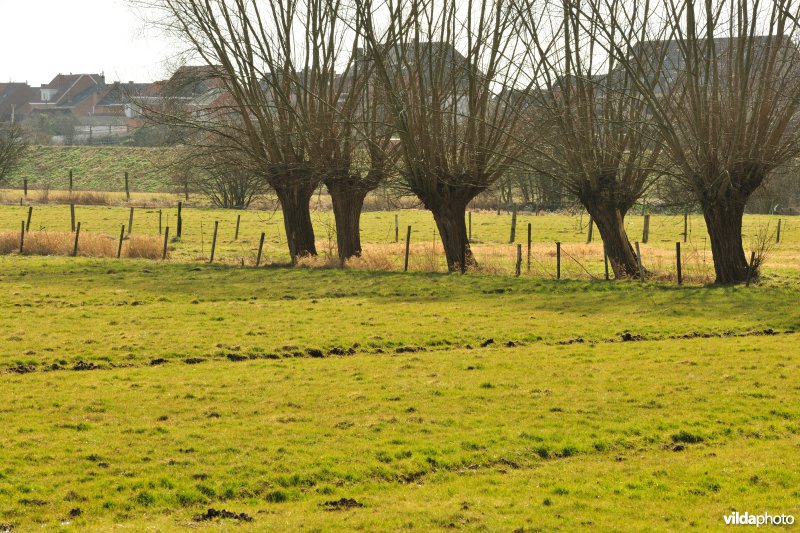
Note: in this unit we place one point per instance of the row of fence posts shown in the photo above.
(75, 228)
(71, 188)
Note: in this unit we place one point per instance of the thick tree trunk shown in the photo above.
(449, 219)
(724, 223)
(347, 197)
(611, 224)
(295, 199)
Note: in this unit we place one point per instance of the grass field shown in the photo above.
(97, 168)
(139, 394)
(490, 232)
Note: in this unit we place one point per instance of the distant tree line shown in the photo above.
(602, 101)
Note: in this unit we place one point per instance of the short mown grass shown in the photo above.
(139, 394)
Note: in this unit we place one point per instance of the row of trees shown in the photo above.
(445, 98)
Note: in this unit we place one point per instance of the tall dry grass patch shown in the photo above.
(89, 245)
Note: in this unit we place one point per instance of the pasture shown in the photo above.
(142, 393)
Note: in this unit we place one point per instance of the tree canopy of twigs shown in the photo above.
(13, 145)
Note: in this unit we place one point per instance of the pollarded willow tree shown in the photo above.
(726, 99)
(596, 135)
(443, 67)
(291, 102)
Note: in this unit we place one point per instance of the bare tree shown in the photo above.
(13, 145)
(443, 66)
(292, 103)
(597, 137)
(726, 98)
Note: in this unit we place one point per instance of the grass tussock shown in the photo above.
(75, 197)
(89, 245)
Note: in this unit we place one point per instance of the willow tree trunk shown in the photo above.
(449, 217)
(347, 197)
(611, 224)
(724, 223)
(295, 200)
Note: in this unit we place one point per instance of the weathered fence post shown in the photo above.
(25, 186)
(778, 234)
(408, 248)
(639, 263)
(70, 182)
(160, 220)
(130, 222)
(469, 218)
(558, 260)
(22, 238)
(166, 242)
(260, 248)
(30, 214)
(396, 228)
(72, 217)
(179, 233)
(127, 189)
(678, 259)
(605, 260)
(77, 234)
(513, 226)
(685, 225)
(530, 228)
(214, 241)
(238, 221)
(121, 236)
(646, 229)
(519, 260)
(589, 233)
(751, 268)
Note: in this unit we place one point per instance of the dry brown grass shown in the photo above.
(89, 245)
(75, 197)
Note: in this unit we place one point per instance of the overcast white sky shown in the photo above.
(40, 38)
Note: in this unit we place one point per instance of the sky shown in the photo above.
(42, 38)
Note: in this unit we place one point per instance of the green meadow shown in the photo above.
(140, 394)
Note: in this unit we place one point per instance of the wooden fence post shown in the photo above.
(639, 263)
(30, 214)
(778, 234)
(605, 260)
(77, 234)
(513, 226)
(160, 220)
(408, 248)
(530, 233)
(127, 189)
(751, 268)
(469, 235)
(678, 259)
(214, 241)
(519, 260)
(166, 242)
(179, 233)
(70, 182)
(130, 222)
(25, 186)
(396, 228)
(260, 248)
(646, 229)
(558, 260)
(589, 233)
(238, 221)
(685, 225)
(72, 217)
(121, 236)
(22, 238)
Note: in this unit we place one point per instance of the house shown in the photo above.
(70, 93)
(14, 100)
